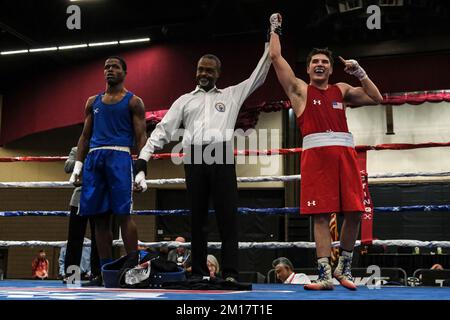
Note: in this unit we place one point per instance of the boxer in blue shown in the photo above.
(114, 123)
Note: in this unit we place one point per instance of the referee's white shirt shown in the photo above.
(207, 117)
(298, 278)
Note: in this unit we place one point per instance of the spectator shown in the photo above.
(213, 266)
(434, 267)
(181, 256)
(437, 266)
(39, 266)
(285, 272)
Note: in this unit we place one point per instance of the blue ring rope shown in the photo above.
(265, 211)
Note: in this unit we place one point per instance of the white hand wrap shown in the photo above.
(356, 70)
(140, 181)
(76, 171)
(275, 22)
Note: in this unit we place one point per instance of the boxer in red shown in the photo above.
(331, 180)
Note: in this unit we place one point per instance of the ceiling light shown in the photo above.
(75, 46)
(134, 40)
(14, 52)
(44, 49)
(97, 44)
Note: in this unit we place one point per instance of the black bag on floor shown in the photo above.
(141, 269)
(205, 284)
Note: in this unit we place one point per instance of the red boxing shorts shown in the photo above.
(330, 181)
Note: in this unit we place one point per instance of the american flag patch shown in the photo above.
(338, 105)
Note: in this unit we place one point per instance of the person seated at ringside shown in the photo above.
(39, 266)
(213, 266)
(181, 255)
(284, 271)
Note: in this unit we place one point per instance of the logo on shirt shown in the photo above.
(338, 105)
(317, 102)
(220, 106)
(311, 203)
(96, 110)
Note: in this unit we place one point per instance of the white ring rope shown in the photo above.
(242, 245)
(295, 177)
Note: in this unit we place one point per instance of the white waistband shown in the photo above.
(116, 148)
(324, 139)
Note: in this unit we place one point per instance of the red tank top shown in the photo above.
(324, 111)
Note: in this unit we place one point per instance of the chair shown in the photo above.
(432, 278)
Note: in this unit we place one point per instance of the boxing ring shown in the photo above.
(55, 290)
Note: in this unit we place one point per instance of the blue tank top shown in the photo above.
(112, 123)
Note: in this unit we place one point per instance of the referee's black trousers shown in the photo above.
(77, 230)
(218, 181)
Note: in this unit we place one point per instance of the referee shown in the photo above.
(208, 115)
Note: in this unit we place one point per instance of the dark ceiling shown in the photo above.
(28, 24)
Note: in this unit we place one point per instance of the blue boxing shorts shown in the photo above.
(107, 182)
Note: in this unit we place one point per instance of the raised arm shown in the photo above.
(242, 90)
(294, 87)
(367, 94)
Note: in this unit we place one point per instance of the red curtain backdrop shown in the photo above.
(248, 117)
